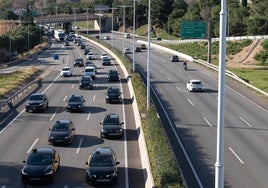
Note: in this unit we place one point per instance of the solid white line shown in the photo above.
(52, 117)
(207, 121)
(10, 123)
(30, 149)
(247, 123)
(190, 102)
(79, 146)
(240, 160)
(88, 116)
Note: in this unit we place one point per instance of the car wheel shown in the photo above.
(26, 110)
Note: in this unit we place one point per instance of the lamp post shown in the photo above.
(28, 38)
(148, 55)
(10, 49)
(219, 165)
(134, 33)
(112, 42)
(87, 21)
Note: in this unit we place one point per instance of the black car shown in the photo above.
(41, 165)
(113, 95)
(111, 126)
(79, 62)
(106, 61)
(62, 132)
(86, 51)
(86, 82)
(82, 46)
(37, 102)
(113, 75)
(138, 49)
(174, 58)
(102, 166)
(76, 103)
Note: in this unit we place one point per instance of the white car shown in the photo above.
(66, 71)
(90, 71)
(90, 56)
(102, 55)
(107, 37)
(127, 51)
(194, 85)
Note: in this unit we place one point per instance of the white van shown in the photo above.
(90, 71)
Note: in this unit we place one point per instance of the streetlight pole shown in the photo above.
(134, 33)
(219, 165)
(112, 42)
(28, 39)
(10, 50)
(148, 55)
(87, 21)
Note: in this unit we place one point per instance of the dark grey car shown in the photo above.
(62, 132)
(37, 102)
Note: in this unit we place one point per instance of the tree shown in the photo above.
(159, 12)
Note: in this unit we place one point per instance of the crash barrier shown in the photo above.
(7, 104)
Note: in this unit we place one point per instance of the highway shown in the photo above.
(24, 131)
(190, 121)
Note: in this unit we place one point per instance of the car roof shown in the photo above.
(89, 67)
(112, 116)
(103, 151)
(195, 81)
(65, 121)
(43, 150)
(113, 87)
(34, 94)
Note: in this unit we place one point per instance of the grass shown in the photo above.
(12, 80)
(258, 78)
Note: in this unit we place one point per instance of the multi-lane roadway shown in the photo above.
(24, 131)
(190, 120)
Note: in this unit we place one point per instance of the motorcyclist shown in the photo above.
(185, 65)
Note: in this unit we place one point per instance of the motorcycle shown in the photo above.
(185, 66)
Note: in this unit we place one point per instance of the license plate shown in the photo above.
(103, 180)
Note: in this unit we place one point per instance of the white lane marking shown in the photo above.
(30, 149)
(79, 146)
(6, 118)
(178, 88)
(207, 121)
(88, 116)
(161, 72)
(169, 78)
(10, 123)
(72, 86)
(190, 102)
(94, 97)
(240, 160)
(65, 98)
(247, 123)
(65, 186)
(52, 117)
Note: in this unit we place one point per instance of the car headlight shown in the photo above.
(111, 175)
(41, 104)
(103, 131)
(69, 136)
(49, 172)
(23, 171)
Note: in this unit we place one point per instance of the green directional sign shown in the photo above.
(193, 30)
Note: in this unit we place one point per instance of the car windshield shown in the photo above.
(61, 127)
(75, 99)
(113, 72)
(101, 160)
(111, 121)
(39, 159)
(65, 69)
(196, 82)
(89, 70)
(113, 91)
(85, 79)
(36, 98)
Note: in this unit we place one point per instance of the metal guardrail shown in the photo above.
(8, 103)
(231, 75)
